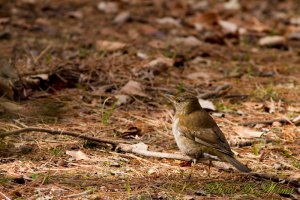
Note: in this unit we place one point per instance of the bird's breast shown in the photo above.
(175, 130)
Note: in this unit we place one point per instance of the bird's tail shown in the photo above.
(237, 164)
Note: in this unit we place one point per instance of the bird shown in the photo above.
(197, 135)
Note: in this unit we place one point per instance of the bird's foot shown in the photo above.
(186, 163)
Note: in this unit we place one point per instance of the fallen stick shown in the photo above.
(245, 143)
(79, 194)
(273, 178)
(295, 121)
(4, 196)
(219, 91)
(57, 132)
(142, 149)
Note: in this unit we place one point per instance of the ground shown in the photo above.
(102, 69)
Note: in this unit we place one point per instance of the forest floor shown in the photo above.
(102, 68)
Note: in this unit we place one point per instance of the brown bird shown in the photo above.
(197, 134)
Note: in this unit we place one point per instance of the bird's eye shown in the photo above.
(178, 101)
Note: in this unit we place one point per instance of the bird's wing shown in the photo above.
(209, 135)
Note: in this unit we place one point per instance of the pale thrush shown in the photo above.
(197, 134)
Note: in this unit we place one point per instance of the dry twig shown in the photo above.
(281, 120)
(57, 132)
(219, 91)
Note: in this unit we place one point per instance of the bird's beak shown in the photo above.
(169, 97)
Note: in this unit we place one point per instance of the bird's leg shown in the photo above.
(209, 166)
(193, 164)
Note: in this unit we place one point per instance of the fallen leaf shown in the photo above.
(152, 170)
(207, 104)
(133, 88)
(228, 27)
(247, 132)
(108, 7)
(122, 99)
(154, 67)
(77, 155)
(103, 45)
(139, 147)
(295, 21)
(122, 17)
(232, 5)
(75, 14)
(272, 41)
(296, 120)
(188, 41)
(169, 21)
(198, 75)
(142, 55)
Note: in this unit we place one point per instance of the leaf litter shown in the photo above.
(120, 54)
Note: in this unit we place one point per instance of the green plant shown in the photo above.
(266, 93)
(35, 176)
(257, 147)
(56, 151)
(127, 187)
(180, 88)
(106, 113)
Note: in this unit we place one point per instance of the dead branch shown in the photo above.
(219, 91)
(57, 132)
(282, 120)
(294, 182)
(245, 143)
(141, 149)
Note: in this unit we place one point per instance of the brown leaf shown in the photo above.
(78, 155)
(103, 45)
(133, 88)
(272, 41)
(247, 132)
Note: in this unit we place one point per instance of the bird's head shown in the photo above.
(185, 103)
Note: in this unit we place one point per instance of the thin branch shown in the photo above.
(136, 149)
(79, 194)
(5, 197)
(141, 149)
(219, 91)
(57, 132)
(282, 120)
(245, 143)
(294, 182)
